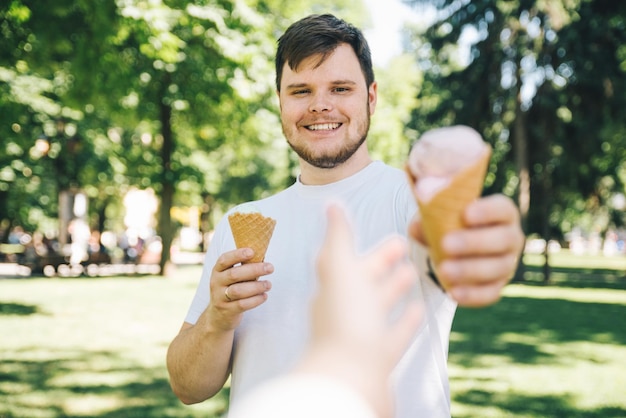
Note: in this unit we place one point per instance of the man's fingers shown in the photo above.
(483, 241)
(476, 271)
(243, 290)
(489, 210)
(245, 273)
(231, 258)
(247, 294)
(477, 296)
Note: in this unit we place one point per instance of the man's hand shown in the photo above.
(235, 288)
(482, 258)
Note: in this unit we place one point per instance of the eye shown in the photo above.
(341, 89)
(300, 92)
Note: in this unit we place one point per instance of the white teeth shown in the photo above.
(324, 126)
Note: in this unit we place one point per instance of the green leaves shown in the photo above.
(544, 84)
(170, 95)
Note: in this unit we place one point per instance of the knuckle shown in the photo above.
(221, 260)
(230, 274)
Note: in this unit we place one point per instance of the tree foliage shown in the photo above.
(171, 95)
(544, 83)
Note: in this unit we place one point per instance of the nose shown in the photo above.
(320, 103)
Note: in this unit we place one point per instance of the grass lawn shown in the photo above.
(95, 347)
(556, 350)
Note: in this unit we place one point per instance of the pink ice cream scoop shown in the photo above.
(440, 154)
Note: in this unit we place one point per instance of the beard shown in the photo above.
(327, 160)
(333, 158)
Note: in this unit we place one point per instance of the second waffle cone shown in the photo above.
(252, 230)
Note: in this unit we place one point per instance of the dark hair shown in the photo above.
(321, 34)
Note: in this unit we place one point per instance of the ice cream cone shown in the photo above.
(252, 230)
(443, 213)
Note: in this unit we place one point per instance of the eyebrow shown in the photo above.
(334, 83)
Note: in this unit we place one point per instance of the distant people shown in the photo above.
(19, 239)
(80, 234)
(610, 247)
(16, 235)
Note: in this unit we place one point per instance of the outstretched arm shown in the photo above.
(354, 337)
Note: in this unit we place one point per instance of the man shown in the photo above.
(327, 94)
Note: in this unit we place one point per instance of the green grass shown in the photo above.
(554, 349)
(566, 259)
(96, 348)
(93, 347)
(578, 270)
(541, 352)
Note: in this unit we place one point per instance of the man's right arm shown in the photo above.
(198, 359)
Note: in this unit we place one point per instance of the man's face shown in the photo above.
(325, 109)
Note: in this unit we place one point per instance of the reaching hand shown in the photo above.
(353, 337)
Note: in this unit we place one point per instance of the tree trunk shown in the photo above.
(546, 264)
(206, 225)
(520, 144)
(545, 220)
(166, 229)
(520, 147)
(546, 192)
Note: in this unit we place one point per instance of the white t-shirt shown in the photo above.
(272, 337)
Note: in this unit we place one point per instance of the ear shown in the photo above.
(280, 105)
(372, 96)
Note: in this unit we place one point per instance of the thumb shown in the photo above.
(339, 240)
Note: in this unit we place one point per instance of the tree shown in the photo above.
(170, 95)
(398, 85)
(539, 83)
(38, 130)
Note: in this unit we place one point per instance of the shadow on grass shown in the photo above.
(537, 406)
(8, 308)
(526, 331)
(545, 320)
(77, 386)
(576, 277)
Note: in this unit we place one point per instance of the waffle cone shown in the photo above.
(443, 213)
(252, 230)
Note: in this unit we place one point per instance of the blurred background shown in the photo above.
(129, 127)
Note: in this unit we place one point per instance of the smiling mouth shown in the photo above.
(323, 126)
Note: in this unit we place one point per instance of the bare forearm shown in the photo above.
(198, 362)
